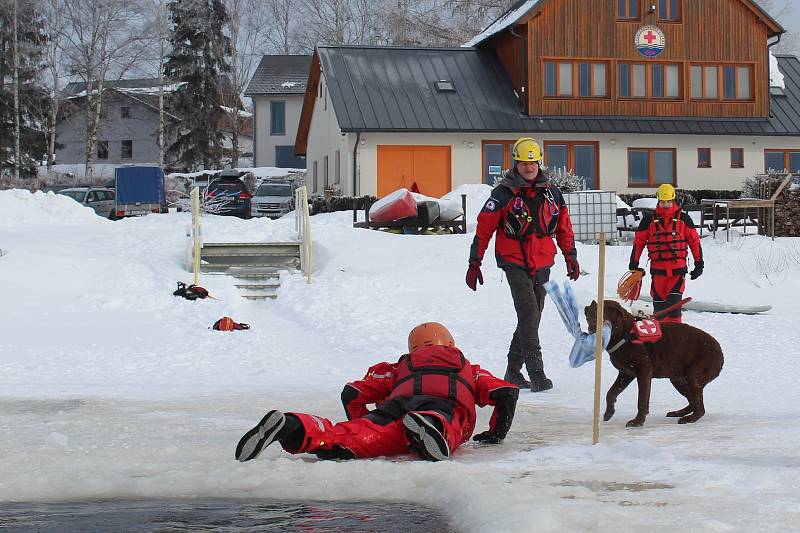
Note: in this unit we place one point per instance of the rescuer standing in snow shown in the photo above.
(669, 235)
(526, 210)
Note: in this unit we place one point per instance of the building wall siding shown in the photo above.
(590, 30)
(141, 128)
(265, 143)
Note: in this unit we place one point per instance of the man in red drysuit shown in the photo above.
(425, 403)
(669, 235)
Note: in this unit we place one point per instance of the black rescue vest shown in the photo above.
(531, 214)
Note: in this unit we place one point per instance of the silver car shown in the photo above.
(273, 199)
(101, 200)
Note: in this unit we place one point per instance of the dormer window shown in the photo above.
(445, 86)
(628, 9)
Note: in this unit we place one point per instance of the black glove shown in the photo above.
(698, 270)
(505, 399)
(633, 265)
(488, 437)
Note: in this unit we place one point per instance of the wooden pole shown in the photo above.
(598, 345)
(196, 232)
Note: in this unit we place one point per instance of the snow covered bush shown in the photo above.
(567, 181)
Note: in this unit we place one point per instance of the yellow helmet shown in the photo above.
(526, 149)
(665, 192)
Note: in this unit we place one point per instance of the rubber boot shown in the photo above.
(540, 382)
(514, 371)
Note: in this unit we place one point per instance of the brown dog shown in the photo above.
(688, 356)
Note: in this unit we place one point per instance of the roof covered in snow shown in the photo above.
(286, 74)
(515, 13)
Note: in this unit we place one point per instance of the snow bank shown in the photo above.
(19, 208)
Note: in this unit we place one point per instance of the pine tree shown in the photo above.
(32, 96)
(198, 61)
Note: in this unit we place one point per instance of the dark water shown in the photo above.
(221, 515)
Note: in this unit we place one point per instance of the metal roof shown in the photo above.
(76, 87)
(393, 89)
(280, 75)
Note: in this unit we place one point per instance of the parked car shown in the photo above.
(273, 198)
(228, 195)
(100, 199)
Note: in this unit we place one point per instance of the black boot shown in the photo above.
(540, 382)
(274, 426)
(514, 370)
(516, 377)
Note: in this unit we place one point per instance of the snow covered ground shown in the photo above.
(110, 387)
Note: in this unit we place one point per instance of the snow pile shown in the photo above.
(20, 208)
(775, 74)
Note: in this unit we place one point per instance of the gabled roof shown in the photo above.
(76, 87)
(519, 12)
(280, 75)
(513, 14)
(393, 90)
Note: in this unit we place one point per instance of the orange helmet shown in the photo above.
(225, 323)
(429, 334)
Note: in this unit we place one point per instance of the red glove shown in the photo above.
(474, 274)
(573, 268)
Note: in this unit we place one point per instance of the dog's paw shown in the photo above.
(635, 423)
(607, 416)
(688, 419)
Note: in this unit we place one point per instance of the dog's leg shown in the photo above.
(619, 385)
(682, 387)
(695, 399)
(643, 378)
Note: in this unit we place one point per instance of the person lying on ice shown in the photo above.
(425, 403)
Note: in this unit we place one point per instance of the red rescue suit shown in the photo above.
(669, 237)
(434, 380)
(526, 216)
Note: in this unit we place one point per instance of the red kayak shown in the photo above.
(394, 206)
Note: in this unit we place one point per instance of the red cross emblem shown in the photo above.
(650, 37)
(647, 327)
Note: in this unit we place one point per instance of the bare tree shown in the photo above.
(281, 37)
(340, 22)
(104, 40)
(15, 88)
(161, 34)
(55, 28)
(248, 29)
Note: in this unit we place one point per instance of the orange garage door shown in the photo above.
(402, 166)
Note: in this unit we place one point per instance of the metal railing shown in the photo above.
(302, 224)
